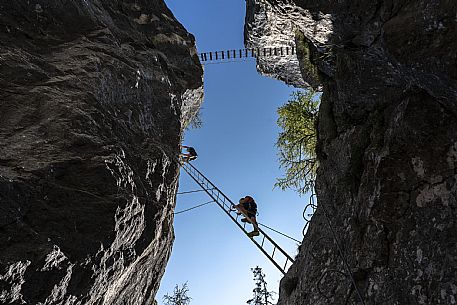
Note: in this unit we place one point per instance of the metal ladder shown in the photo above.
(278, 256)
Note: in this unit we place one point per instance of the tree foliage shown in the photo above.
(297, 141)
(261, 294)
(179, 296)
(196, 122)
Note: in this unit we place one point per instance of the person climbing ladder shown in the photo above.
(248, 208)
(191, 155)
(280, 258)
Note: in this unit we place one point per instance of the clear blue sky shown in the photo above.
(236, 151)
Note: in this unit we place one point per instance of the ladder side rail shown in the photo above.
(237, 223)
(215, 187)
(285, 265)
(266, 235)
(277, 246)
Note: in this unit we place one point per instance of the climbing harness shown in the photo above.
(278, 256)
(230, 55)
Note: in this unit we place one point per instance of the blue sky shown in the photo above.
(236, 151)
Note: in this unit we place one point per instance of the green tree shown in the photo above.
(179, 296)
(261, 294)
(297, 141)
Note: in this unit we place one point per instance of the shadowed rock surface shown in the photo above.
(387, 146)
(94, 95)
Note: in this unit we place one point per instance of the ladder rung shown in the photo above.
(225, 203)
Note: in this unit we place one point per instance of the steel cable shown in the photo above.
(188, 192)
(197, 206)
(285, 235)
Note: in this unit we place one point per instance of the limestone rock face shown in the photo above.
(268, 25)
(387, 147)
(94, 95)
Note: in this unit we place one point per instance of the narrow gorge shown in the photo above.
(95, 96)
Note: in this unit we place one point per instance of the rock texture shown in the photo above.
(268, 25)
(94, 95)
(387, 147)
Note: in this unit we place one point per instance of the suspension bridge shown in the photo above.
(240, 54)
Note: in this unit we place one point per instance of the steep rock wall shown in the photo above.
(268, 25)
(94, 95)
(387, 147)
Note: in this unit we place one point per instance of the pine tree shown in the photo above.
(261, 294)
(179, 296)
(297, 141)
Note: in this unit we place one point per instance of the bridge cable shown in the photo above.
(197, 206)
(188, 192)
(260, 224)
(227, 61)
(285, 235)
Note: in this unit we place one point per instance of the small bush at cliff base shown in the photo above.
(179, 296)
(261, 295)
(297, 141)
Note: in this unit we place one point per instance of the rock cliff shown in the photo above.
(387, 147)
(94, 95)
(269, 25)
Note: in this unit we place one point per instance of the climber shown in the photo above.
(191, 155)
(248, 208)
